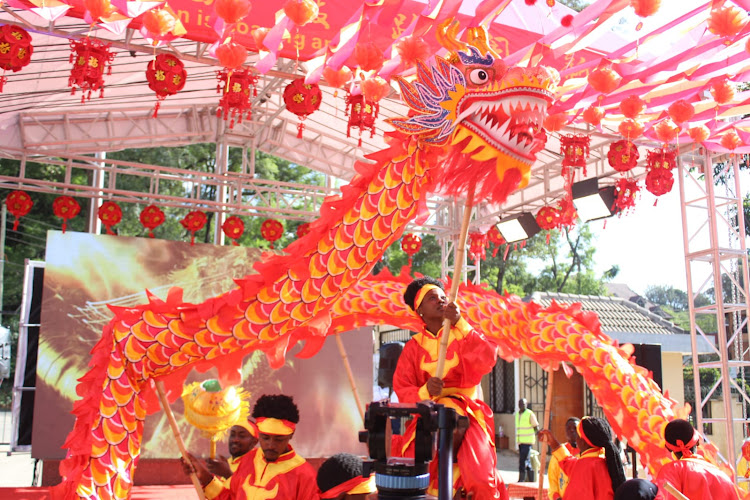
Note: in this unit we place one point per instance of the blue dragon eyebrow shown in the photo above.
(475, 57)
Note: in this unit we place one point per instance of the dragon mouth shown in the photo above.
(511, 124)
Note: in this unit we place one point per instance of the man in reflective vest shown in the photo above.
(526, 428)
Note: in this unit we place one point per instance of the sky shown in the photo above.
(647, 244)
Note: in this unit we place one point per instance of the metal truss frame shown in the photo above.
(716, 255)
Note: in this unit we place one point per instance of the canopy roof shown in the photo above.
(662, 58)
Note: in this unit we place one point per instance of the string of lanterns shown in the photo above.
(19, 204)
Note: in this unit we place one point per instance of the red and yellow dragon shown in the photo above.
(472, 121)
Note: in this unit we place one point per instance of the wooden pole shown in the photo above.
(212, 449)
(349, 374)
(176, 431)
(674, 491)
(458, 263)
(547, 414)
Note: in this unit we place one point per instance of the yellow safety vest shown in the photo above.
(525, 433)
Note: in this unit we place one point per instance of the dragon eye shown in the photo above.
(479, 76)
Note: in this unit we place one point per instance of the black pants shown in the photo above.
(525, 472)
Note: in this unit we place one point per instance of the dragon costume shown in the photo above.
(473, 123)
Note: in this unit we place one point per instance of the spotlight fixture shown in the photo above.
(518, 227)
(592, 202)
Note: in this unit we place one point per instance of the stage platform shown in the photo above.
(175, 492)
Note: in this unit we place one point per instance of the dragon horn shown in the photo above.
(477, 37)
(447, 36)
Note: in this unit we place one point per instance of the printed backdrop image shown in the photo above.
(84, 273)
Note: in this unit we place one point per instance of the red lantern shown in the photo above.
(699, 133)
(666, 131)
(625, 191)
(233, 227)
(659, 181)
(630, 129)
(412, 49)
(575, 150)
(337, 79)
(194, 222)
(158, 23)
(568, 214)
(645, 8)
(90, 58)
(235, 88)
(19, 203)
(362, 115)
(259, 35)
(110, 214)
(368, 56)
(496, 238)
(726, 21)
(548, 218)
(232, 11)
(556, 122)
(302, 99)
(604, 80)
(15, 49)
(374, 89)
(97, 9)
(722, 92)
(231, 55)
(623, 155)
(151, 218)
(731, 140)
(301, 12)
(593, 115)
(66, 208)
(681, 111)
(478, 246)
(166, 76)
(411, 244)
(271, 230)
(303, 229)
(632, 106)
(663, 159)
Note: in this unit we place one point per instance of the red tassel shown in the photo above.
(496, 249)
(300, 128)
(656, 201)
(156, 110)
(2, 81)
(548, 235)
(359, 144)
(15, 224)
(150, 234)
(507, 249)
(192, 239)
(410, 262)
(234, 242)
(65, 225)
(605, 224)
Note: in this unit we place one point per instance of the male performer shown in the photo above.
(340, 478)
(557, 478)
(469, 356)
(272, 472)
(526, 429)
(690, 474)
(243, 436)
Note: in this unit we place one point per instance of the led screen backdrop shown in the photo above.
(85, 272)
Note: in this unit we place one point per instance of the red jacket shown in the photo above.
(697, 479)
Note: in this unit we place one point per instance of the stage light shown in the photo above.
(593, 203)
(518, 227)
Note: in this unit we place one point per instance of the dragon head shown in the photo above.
(487, 119)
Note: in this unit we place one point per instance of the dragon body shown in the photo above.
(474, 123)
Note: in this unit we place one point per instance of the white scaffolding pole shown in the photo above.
(716, 259)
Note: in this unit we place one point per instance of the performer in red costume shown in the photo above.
(243, 436)
(690, 474)
(590, 476)
(272, 472)
(470, 356)
(340, 478)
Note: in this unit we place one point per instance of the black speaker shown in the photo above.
(649, 357)
(389, 354)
